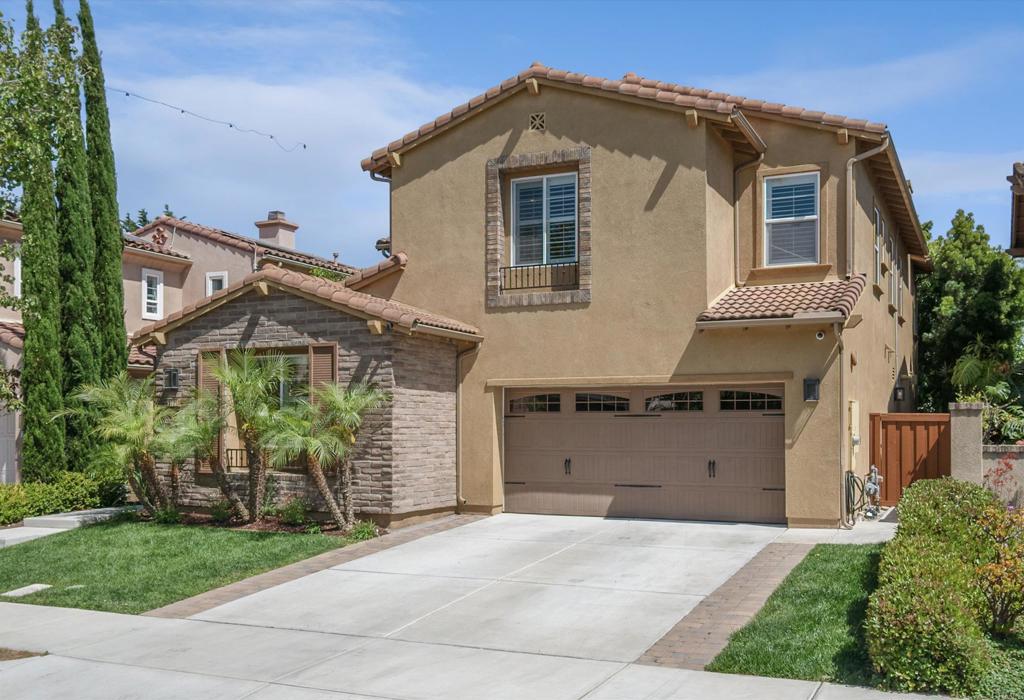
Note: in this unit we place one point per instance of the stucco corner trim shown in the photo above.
(505, 166)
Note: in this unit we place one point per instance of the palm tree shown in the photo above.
(253, 382)
(323, 431)
(129, 417)
(195, 434)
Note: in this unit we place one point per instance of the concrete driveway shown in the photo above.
(512, 606)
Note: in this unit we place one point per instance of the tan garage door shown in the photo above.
(698, 453)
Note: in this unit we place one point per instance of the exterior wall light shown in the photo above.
(812, 389)
(899, 393)
(171, 379)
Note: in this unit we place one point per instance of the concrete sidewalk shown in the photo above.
(94, 655)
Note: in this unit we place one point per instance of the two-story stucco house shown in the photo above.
(166, 265)
(689, 301)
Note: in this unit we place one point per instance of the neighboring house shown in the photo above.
(167, 265)
(691, 301)
(1016, 179)
(405, 457)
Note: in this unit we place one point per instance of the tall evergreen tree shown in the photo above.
(77, 249)
(42, 452)
(112, 342)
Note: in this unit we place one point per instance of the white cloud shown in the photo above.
(223, 178)
(881, 87)
(939, 173)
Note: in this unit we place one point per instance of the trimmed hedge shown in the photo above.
(68, 491)
(924, 626)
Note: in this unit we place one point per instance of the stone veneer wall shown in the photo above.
(1003, 467)
(391, 477)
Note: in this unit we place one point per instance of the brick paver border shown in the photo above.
(699, 637)
(233, 591)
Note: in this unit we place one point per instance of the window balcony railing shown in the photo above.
(553, 276)
(237, 459)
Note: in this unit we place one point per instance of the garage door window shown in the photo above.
(749, 401)
(675, 401)
(601, 403)
(538, 403)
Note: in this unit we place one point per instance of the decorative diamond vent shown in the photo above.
(537, 121)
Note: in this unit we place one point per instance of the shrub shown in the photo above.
(167, 516)
(948, 511)
(294, 511)
(67, 492)
(1001, 580)
(221, 511)
(922, 627)
(363, 530)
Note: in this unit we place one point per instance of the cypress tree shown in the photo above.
(42, 452)
(112, 342)
(77, 247)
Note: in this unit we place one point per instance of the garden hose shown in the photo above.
(853, 498)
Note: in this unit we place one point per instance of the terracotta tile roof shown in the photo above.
(329, 291)
(787, 300)
(235, 240)
(1016, 179)
(632, 85)
(384, 268)
(12, 333)
(144, 356)
(137, 243)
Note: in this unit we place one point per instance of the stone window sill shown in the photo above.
(520, 299)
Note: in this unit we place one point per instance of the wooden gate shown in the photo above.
(906, 447)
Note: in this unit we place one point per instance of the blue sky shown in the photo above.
(346, 78)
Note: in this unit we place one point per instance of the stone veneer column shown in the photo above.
(966, 461)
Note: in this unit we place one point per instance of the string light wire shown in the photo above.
(231, 125)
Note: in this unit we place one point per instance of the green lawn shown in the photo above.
(132, 567)
(810, 628)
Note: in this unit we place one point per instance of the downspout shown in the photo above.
(736, 215)
(850, 192)
(459, 500)
(844, 517)
(381, 178)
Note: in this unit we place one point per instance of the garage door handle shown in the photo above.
(567, 466)
(709, 468)
(714, 469)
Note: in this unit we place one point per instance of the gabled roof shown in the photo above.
(1016, 179)
(395, 263)
(235, 240)
(143, 357)
(325, 291)
(12, 334)
(136, 243)
(631, 85)
(788, 301)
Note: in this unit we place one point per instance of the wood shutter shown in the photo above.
(323, 365)
(205, 364)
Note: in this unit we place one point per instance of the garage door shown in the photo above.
(697, 454)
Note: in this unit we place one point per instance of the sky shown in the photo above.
(344, 78)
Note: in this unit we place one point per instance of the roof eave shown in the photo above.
(801, 319)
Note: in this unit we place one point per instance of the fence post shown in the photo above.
(966, 460)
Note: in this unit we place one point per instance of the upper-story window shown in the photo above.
(216, 281)
(791, 219)
(893, 281)
(152, 294)
(879, 233)
(544, 213)
(16, 272)
(899, 284)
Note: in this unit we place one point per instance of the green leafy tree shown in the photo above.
(112, 341)
(253, 382)
(195, 434)
(30, 109)
(973, 298)
(129, 417)
(77, 253)
(322, 432)
(131, 224)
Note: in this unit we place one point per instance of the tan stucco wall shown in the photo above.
(131, 271)
(10, 233)
(662, 249)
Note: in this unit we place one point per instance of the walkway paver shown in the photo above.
(704, 632)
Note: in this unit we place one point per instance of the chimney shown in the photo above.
(277, 230)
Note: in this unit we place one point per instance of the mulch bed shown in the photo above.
(15, 654)
(268, 524)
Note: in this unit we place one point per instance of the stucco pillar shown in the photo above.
(966, 461)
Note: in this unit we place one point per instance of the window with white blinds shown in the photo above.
(791, 219)
(544, 215)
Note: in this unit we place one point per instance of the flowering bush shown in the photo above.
(1001, 580)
